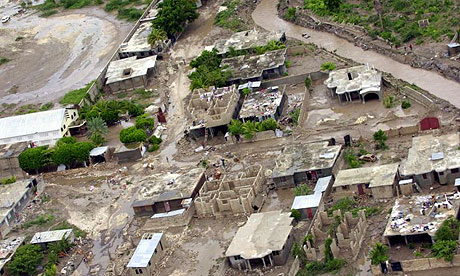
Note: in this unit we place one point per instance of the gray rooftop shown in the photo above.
(262, 234)
(306, 157)
(10, 194)
(246, 40)
(138, 42)
(261, 103)
(129, 68)
(7, 249)
(12, 150)
(31, 123)
(429, 153)
(145, 250)
(322, 183)
(364, 78)
(306, 201)
(243, 67)
(51, 236)
(376, 176)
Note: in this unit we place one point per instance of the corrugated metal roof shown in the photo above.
(144, 251)
(31, 123)
(307, 201)
(98, 151)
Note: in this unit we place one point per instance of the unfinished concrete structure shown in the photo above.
(211, 110)
(376, 181)
(264, 241)
(416, 219)
(247, 40)
(7, 249)
(129, 73)
(255, 68)
(263, 104)
(347, 238)
(432, 159)
(9, 162)
(305, 162)
(13, 198)
(137, 45)
(355, 83)
(48, 237)
(308, 205)
(148, 253)
(235, 193)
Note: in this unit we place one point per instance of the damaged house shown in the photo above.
(9, 160)
(137, 45)
(147, 254)
(264, 241)
(129, 73)
(302, 163)
(255, 68)
(261, 105)
(236, 193)
(361, 82)
(376, 181)
(7, 249)
(212, 110)
(432, 159)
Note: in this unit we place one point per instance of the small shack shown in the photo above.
(147, 254)
(307, 205)
(129, 153)
(99, 155)
(45, 238)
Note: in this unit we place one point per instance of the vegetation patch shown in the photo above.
(229, 18)
(39, 220)
(75, 96)
(3, 60)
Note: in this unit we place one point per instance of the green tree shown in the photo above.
(246, 91)
(269, 124)
(132, 134)
(145, 122)
(96, 125)
(135, 110)
(297, 250)
(66, 140)
(301, 190)
(249, 129)
(25, 260)
(80, 151)
(444, 249)
(174, 14)
(448, 231)
(34, 158)
(155, 36)
(97, 139)
(380, 137)
(333, 5)
(235, 127)
(378, 253)
(328, 66)
(63, 155)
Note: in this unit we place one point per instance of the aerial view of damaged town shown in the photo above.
(229, 137)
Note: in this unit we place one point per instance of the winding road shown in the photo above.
(265, 15)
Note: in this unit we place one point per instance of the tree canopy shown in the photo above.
(378, 253)
(34, 158)
(174, 14)
(145, 122)
(25, 260)
(132, 134)
(68, 154)
(110, 111)
(155, 36)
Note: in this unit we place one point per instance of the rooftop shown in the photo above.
(262, 234)
(376, 176)
(321, 184)
(169, 186)
(12, 150)
(213, 108)
(51, 236)
(7, 249)
(11, 194)
(128, 68)
(31, 123)
(145, 250)
(306, 201)
(421, 214)
(429, 153)
(306, 157)
(246, 40)
(363, 78)
(138, 42)
(243, 67)
(261, 103)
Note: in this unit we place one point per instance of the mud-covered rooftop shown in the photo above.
(376, 176)
(261, 103)
(129, 68)
(7, 249)
(363, 78)
(10, 194)
(429, 153)
(138, 42)
(246, 40)
(306, 157)
(243, 67)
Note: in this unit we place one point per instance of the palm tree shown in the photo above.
(249, 129)
(155, 36)
(235, 127)
(378, 253)
(96, 126)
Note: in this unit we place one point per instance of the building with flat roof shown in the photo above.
(417, 218)
(9, 162)
(13, 198)
(47, 237)
(432, 159)
(41, 128)
(361, 82)
(246, 40)
(301, 163)
(255, 68)
(263, 104)
(147, 254)
(129, 73)
(7, 249)
(137, 45)
(211, 110)
(377, 181)
(264, 241)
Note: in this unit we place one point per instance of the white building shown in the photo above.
(41, 128)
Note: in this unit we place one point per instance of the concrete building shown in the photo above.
(361, 82)
(9, 162)
(247, 40)
(212, 110)
(48, 237)
(432, 159)
(129, 74)
(302, 163)
(41, 128)
(147, 254)
(137, 45)
(234, 193)
(263, 104)
(13, 198)
(264, 241)
(416, 219)
(377, 181)
(308, 205)
(7, 249)
(255, 68)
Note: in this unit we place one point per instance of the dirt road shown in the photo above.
(265, 15)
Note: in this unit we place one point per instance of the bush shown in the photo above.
(378, 254)
(268, 124)
(380, 137)
(389, 101)
(405, 104)
(132, 134)
(145, 122)
(229, 19)
(66, 140)
(129, 14)
(153, 147)
(46, 106)
(39, 220)
(155, 140)
(246, 91)
(25, 260)
(296, 214)
(328, 66)
(9, 180)
(444, 249)
(75, 96)
(307, 82)
(448, 231)
(290, 13)
(301, 190)
(352, 159)
(295, 116)
(34, 158)
(3, 60)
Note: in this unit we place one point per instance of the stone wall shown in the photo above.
(418, 97)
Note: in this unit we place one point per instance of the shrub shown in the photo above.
(246, 91)
(301, 190)
(380, 137)
(444, 249)
(47, 106)
(389, 101)
(328, 66)
(66, 140)
(448, 231)
(130, 14)
(298, 252)
(75, 96)
(378, 254)
(295, 116)
(155, 140)
(405, 104)
(268, 124)
(352, 159)
(307, 82)
(8, 180)
(296, 214)
(132, 134)
(153, 147)
(3, 60)
(145, 122)
(34, 158)
(228, 18)
(290, 13)
(26, 259)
